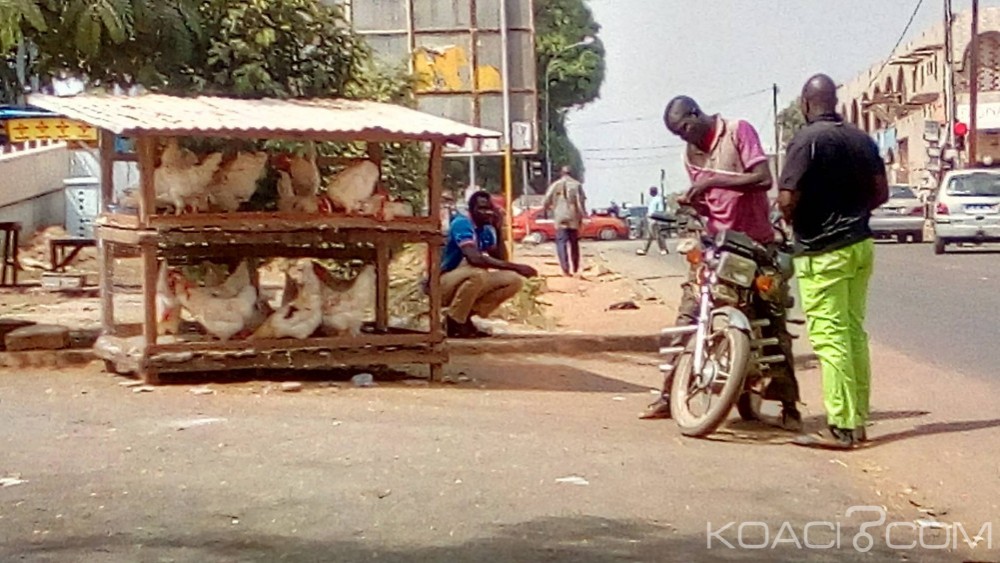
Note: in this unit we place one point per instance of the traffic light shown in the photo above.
(961, 130)
(537, 168)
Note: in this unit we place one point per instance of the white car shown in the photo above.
(901, 217)
(967, 208)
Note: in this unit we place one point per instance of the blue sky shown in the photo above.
(726, 54)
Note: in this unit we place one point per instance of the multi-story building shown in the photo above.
(901, 101)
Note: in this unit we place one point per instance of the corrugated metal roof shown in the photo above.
(329, 119)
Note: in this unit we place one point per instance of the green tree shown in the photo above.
(575, 75)
(248, 48)
(575, 78)
(790, 121)
(15, 15)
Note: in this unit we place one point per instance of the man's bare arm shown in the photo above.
(787, 200)
(478, 259)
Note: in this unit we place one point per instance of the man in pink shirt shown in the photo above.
(730, 178)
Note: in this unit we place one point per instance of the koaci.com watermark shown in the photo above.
(871, 533)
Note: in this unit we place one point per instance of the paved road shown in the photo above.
(940, 310)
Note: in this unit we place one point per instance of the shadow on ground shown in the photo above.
(492, 375)
(935, 428)
(585, 539)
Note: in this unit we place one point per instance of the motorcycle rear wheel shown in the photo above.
(729, 351)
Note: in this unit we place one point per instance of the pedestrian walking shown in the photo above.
(566, 198)
(653, 229)
(832, 180)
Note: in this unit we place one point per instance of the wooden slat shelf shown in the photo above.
(249, 222)
(230, 237)
(272, 237)
(129, 355)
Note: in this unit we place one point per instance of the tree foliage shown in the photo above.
(241, 48)
(574, 76)
(790, 121)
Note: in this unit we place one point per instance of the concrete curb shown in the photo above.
(562, 344)
(550, 344)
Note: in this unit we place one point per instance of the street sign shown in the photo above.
(48, 129)
(454, 48)
(932, 130)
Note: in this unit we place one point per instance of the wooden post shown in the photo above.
(434, 183)
(435, 180)
(107, 257)
(149, 278)
(107, 149)
(381, 284)
(146, 147)
(375, 155)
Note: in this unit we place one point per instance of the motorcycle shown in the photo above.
(732, 349)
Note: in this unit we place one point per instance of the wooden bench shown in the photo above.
(62, 251)
(10, 265)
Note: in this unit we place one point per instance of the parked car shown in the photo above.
(967, 208)
(902, 217)
(531, 226)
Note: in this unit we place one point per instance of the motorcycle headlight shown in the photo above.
(724, 295)
(736, 269)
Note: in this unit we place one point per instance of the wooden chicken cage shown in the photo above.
(152, 236)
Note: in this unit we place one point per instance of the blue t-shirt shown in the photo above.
(462, 232)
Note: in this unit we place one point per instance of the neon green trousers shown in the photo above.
(834, 288)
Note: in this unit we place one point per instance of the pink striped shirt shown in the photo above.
(736, 150)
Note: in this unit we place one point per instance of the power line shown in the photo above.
(899, 41)
(633, 149)
(625, 158)
(659, 117)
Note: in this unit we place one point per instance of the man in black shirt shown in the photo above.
(832, 180)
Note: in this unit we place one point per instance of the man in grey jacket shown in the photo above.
(569, 204)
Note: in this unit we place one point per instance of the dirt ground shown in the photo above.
(532, 458)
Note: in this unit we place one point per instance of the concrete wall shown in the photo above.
(31, 187)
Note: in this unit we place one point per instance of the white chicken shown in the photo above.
(224, 311)
(236, 180)
(291, 202)
(304, 171)
(345, 304)
(181, 181)
(175, 155)
(168, 306)
(353, 186)
(393, 209)
(301, 316)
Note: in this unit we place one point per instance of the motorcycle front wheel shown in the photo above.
(699, 405)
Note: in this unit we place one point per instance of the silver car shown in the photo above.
(901, 217)
(967, 208)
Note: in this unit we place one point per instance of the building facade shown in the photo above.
(901, 101)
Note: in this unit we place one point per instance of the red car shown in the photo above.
(531, 226)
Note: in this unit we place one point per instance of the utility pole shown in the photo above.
(974, 85)
(777, 134)
(949, 74)
(508, 176)
(472, 169)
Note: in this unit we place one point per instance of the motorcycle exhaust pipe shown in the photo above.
(666, 368)
(760, 323)
(675, 330)
(765, 342)
(775, 359)
(671, 350)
